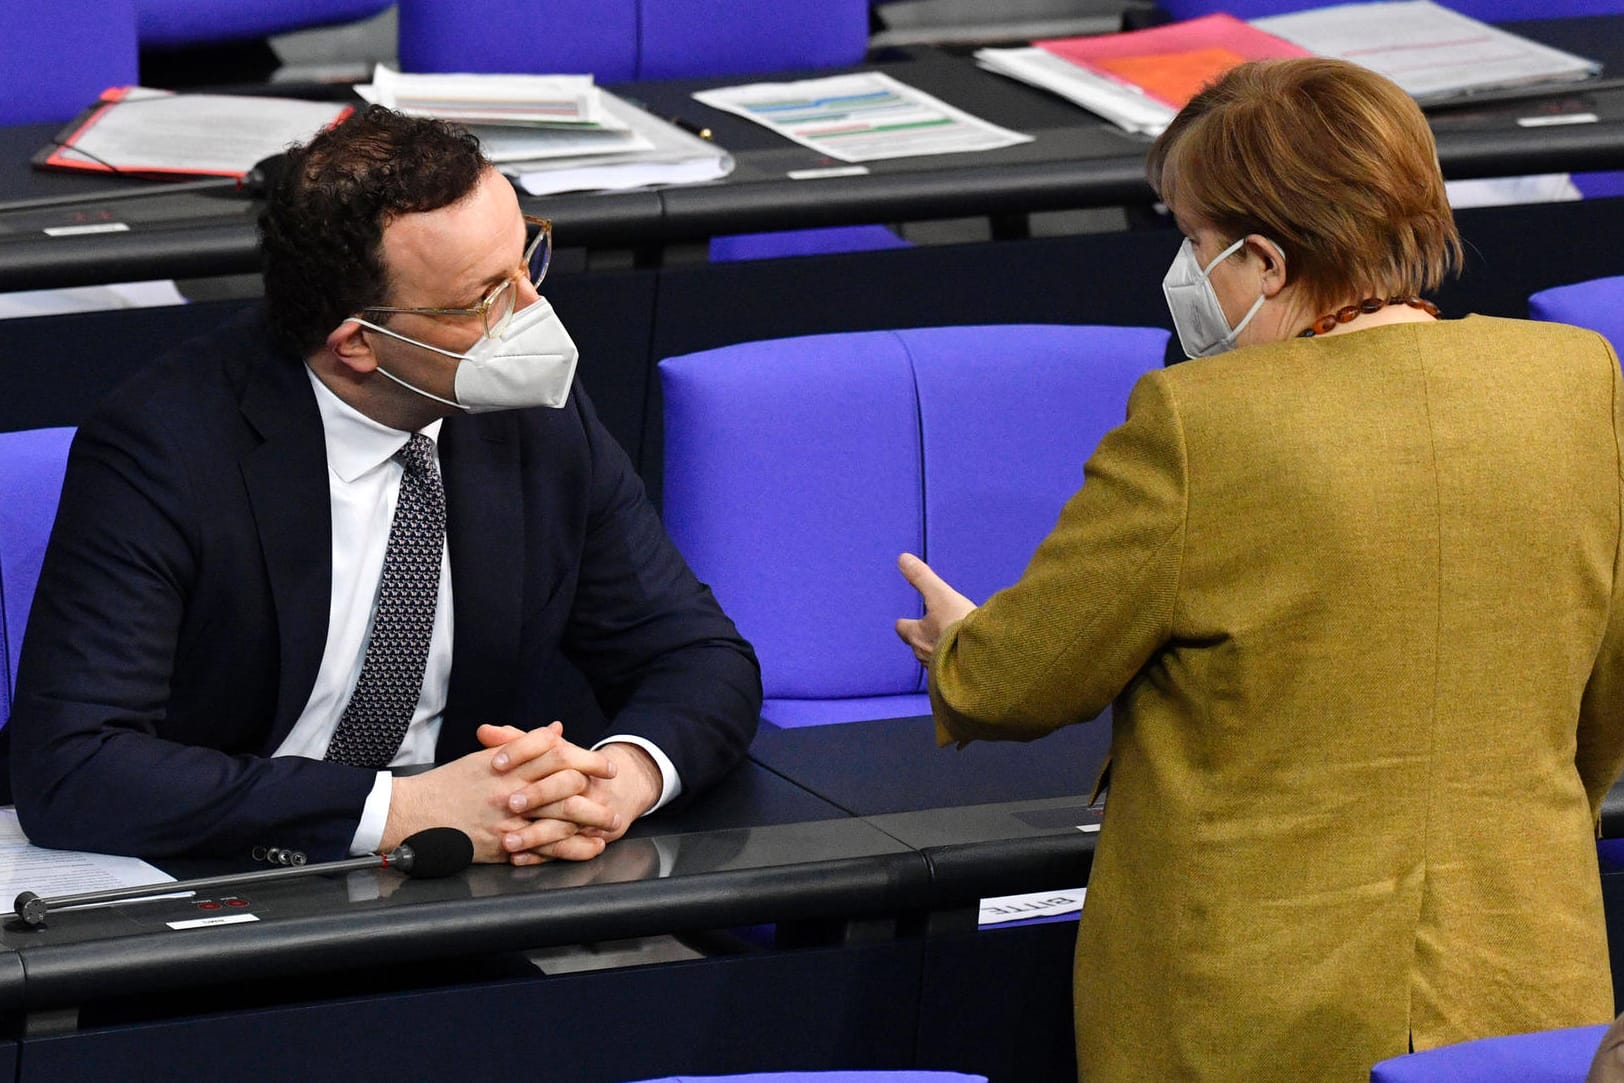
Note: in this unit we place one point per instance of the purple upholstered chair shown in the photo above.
(57, 58)
(796, 470)
(624, 40)
(1597, 304)
(175, 24)
(1547, 1056)
(31, 467)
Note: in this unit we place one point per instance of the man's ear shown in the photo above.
(1273, 261)
(350, 347)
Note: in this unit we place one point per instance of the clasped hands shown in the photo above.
(529, 796)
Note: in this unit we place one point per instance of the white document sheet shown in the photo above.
(1125, 106)
(224, 134)
(568, 100)
(861, 118)
(672, 156)
(1429, 50)
(48, 873)
(1037, 904)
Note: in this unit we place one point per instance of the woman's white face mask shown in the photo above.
(531, 364)
(1197, 315)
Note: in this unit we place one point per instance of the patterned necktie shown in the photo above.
(380, 709)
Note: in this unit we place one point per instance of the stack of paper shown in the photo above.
(1141, 79)
(1430, 51)
(861, 118)
(555, 133)
(147, 132)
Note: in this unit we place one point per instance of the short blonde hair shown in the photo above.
(1329, 160)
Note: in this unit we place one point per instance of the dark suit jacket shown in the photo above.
(182, 610)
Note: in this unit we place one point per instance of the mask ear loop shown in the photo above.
(419, 390)
(414, 342)
(1279, 255)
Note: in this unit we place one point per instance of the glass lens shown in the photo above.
(540, 254)
(499, 308)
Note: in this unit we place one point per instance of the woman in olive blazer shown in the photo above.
(1357, 599)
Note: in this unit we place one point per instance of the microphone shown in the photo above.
(428, 855)
(255, 184)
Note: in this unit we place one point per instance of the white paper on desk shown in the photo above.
(861, 118)
(673, 157)
(1122, 105)
(47, 873)
(1037, 904)
(1430, 51)
(491, 99)
(509, 143)
(154, 131)
(59, 302)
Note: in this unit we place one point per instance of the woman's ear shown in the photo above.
(1273, 261)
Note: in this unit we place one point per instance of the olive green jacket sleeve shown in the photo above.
(1028, 661)
(1600, 752)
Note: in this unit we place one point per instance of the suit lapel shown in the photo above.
(479, 458)
(286, 480)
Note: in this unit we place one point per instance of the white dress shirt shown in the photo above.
(363, 485)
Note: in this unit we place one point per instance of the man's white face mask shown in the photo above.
(530, 363)
(1199, 318)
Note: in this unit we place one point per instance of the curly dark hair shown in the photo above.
(323, 222)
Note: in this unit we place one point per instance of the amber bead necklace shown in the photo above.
(1349, 313)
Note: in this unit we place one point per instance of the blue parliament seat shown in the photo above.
(1597, 304)
(32, 463)
(55, 59)
(1548, 1056)
(796, 470)
(174, 24)
(625, 40)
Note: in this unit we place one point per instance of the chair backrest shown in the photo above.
(1547, 1056)
(1488, 11)
(1597, 304)
(57, 58)
(796, 470)
(620, 40)
(31, 467)
(179, 23)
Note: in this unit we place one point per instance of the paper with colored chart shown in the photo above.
(861, 118)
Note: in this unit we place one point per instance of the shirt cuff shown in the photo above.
(374, 816)
(670, 783)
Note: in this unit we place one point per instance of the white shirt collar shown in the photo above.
(355, 442)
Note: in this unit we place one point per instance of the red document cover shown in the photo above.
(1171, 63)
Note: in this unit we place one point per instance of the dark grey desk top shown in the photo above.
(992, 818)
(1074, 161)
(757, 849)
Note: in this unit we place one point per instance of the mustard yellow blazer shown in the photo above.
(1359, 606)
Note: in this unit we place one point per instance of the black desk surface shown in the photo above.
(1074, 161)
(992, 818)
(756, 849)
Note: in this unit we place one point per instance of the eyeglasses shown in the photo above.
(497, 306)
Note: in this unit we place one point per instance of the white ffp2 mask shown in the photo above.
(532, 364)
(1197, 315)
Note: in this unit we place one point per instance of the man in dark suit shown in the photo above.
(350, 535)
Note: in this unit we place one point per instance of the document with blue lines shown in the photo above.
(861, 118)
